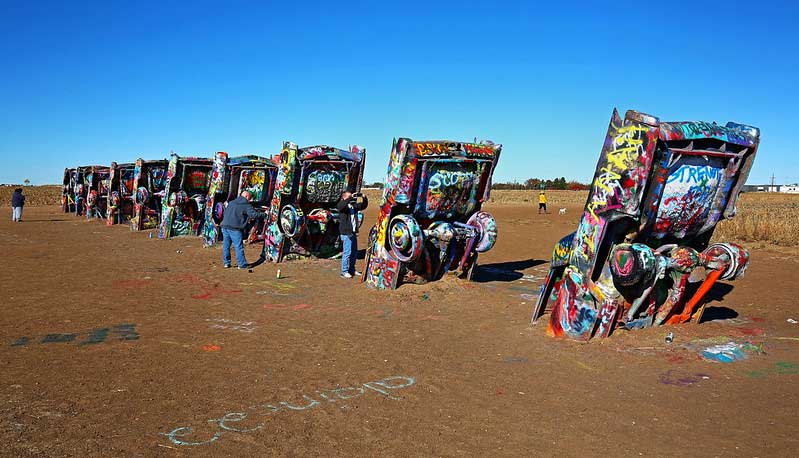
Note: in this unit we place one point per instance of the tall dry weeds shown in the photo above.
(772, 218)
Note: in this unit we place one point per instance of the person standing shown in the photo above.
(542, 202)
(17, 202)
(237, 213)
(348, 208)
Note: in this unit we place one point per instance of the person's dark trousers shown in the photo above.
(349, 254)
(236, 238)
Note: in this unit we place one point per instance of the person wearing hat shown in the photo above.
(542, 202)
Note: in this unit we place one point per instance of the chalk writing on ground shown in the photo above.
(242, 422)
(231, 325)
(124, 331)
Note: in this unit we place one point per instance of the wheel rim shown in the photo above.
(291, 221)
(405, 238)
(486, 225)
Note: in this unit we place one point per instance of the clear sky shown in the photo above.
(92, 82)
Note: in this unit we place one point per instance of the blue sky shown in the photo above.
(92, 82)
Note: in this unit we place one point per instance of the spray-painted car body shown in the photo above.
(68, 201)
(303, 219)
(658, 192)
(149, 183)
(229, 178)
(80, 190)
(430, 220)
(97, 181)
(187, 183)
(120, 194)
(86, 180)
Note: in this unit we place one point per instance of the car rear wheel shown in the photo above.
(292, 221)
(405, 238)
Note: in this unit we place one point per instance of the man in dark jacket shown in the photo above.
(237, 213)
(17, 202)
(348, 208)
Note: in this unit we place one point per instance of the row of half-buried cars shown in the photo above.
(641, 255)
(430, 220)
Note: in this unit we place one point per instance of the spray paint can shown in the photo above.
(670, 337)
(278, 274)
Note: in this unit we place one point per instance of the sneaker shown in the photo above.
(357, 274)
(244, 267)
(346, 275)
(227, 266)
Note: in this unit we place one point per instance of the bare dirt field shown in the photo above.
(116, 345)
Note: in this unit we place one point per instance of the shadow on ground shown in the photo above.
(504, 271)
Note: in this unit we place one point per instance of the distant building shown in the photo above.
(784, 188)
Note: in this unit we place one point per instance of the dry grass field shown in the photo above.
(770, 218)
(34, 195)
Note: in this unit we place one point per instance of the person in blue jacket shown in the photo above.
(17, 202)
(237, 213)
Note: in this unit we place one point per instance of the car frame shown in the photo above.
(643, 242)
(98, 181)
(229, 178)
(84, 180)
(183, 207)
(310, 182)
(68, 188)
(121, 193)
(430, 220)
(149, 183)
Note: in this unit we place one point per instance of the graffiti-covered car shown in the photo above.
(229, 178)
(431, 220)
(303, 219)
(90, 181)
(97, 183)
(68, 202)
(183, 206)
(149, 183)
(641, 255)
(120, 193)
(80, 189)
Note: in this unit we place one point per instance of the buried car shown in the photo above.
(79, 189)
(229, 178)
(97, 182)
(643, 243)
(84, 182)
(303, 219)
(149, 182)
(68, 202)
(187, 183)
(120, 193)
(430, 220)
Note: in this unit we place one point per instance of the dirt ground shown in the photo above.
(116, 345)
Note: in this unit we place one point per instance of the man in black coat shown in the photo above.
(348, 208)
(237, 213)
(17, 202)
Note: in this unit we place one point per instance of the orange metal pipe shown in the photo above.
(700, 294)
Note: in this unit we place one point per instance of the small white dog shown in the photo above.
(562, 211)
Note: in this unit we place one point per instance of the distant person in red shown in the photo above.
(17, 202)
